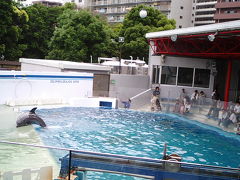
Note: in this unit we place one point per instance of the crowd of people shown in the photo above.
(225, 113)
(185, 102)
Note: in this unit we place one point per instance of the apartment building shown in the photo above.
(227, 10)
(115, 10)
(203, 12)
(181, 12)
(50, 3)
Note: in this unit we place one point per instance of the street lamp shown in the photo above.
(143, 13)
(120, 40)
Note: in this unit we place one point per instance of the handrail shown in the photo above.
(140, 93)
(119, 156)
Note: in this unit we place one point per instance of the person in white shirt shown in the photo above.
(194, 97)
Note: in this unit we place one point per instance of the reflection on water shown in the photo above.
(16, 158)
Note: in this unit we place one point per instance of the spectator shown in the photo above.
(155, 102)
(127, 104)
(194, 97)
(182, 95)
(237, 110)
(215, 97)
(202, 98)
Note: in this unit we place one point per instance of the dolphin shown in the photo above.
(28, 118)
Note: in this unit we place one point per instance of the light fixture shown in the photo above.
(211, 37)
(174, 37)
(143, 13)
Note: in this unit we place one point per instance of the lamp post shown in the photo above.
(121, 41)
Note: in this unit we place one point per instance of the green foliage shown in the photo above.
(134, 29)
(39, 29)
(12, 21)
(78, 36)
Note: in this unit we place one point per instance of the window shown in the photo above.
(181, 7)
(202, 78)
(180, 17)
(168, 75)
(180, 26)
(155, 74)
(185, 76)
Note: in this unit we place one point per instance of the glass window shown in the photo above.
(155, 74)
(185, 76)
(202, 78)
(168, 75)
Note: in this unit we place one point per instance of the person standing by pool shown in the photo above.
(182, 95)
(127, 104)
(155, 102)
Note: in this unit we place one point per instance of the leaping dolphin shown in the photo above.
(30, 118)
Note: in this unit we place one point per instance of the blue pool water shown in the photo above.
(140, 134)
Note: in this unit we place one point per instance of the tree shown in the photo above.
(134, 29)
(78, 36)
(39, 29)
(11, 24)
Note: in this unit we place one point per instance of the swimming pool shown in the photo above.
(140, 134)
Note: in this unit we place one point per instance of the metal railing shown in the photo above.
(75, 163)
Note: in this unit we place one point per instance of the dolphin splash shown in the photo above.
(30, 118)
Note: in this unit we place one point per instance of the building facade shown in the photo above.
(50, 3)
(203, 12)
(227, 10)
(181, 12)
(115, 10)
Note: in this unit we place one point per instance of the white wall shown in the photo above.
(28, 87)
(125, 86)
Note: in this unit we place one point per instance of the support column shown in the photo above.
(228, 80)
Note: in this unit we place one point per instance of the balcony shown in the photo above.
(127, 2)
(207, 3)
(206, 10)
(204, 16)
(227, 16)
(227, 5)
(199, 23)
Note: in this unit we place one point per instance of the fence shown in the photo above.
(75, 164)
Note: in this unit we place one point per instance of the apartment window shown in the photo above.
(202, 78)
(80, 1)
(155, 74)
(185, 76)
(168, 75)
(181, 7)
(180, 26)
(180, 17)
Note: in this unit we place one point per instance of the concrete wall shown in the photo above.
(173, 91)
(126, 86)
(181, 11)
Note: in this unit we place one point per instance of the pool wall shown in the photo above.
(27, 86)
